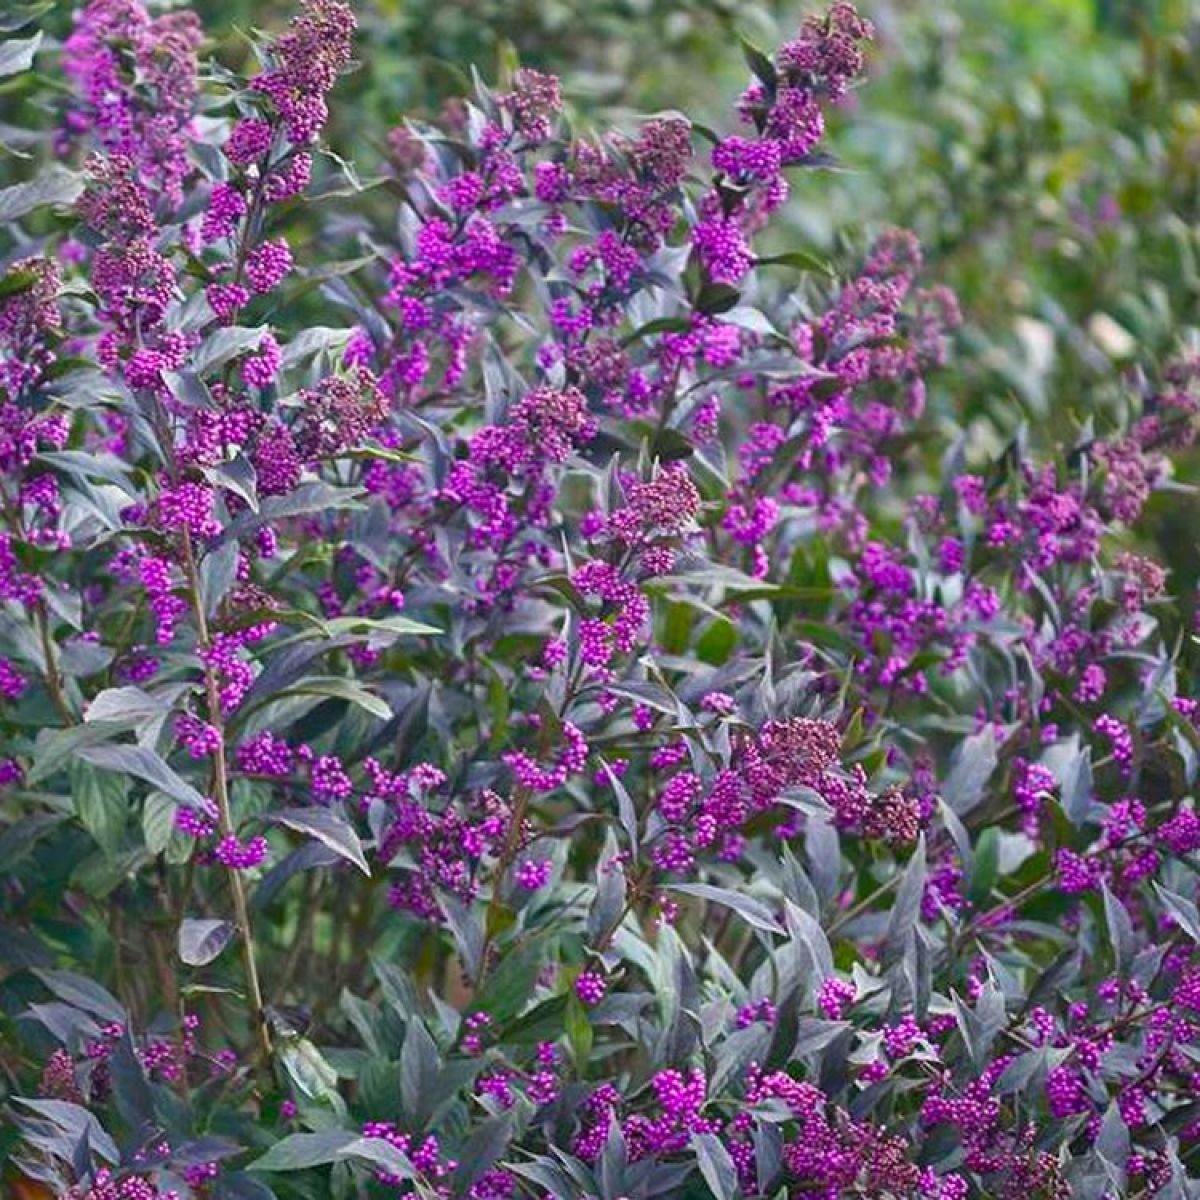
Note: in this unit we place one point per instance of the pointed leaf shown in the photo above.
(754, 911)
(17, 54)
(144, 764)
(716, 1166)
(327, 827)
(299, 1151)
(201, 939)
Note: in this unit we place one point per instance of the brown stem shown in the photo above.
(160, 955)
(862, 906)
(1010, 903)
(53, 679)
(512, 843)
(360, 928)
(237, 888)
(302, 940)
(116, 917)
(633, 893)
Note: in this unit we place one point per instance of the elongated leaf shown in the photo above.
(56, 747)
(418, 1073)
(75, 1121)
(130, 704)
(736, 1053)
(83, 993)
(299, 1151)
(327, 827)
(907, 905)
(1113, 1142)
(1021, 1071)
(625, 808)
(806, 929)
(467, 930)
(101, 804)
(54, 186)
(716, 1166)
(1120, 929)
(17, 16)
(239, 476)
(481, 1152)
(343, 689)
(310, 1071)
(131, 1088)
(218, 573)
(754, 911)
(202, 939)
(306, 858)
(1072, 768)
(381, 1154)
(17, 54)
(802, 260)
(64, 1021)
(1185, 912)
(144, 764)
(315, 497)
(974, 762)
(383, 627)
(158, 821)
(985, 866)
(981, 1024)
(312, 341)
(761, 65)
(609, 901)
(226, 343)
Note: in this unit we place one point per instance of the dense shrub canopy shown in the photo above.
(514, 685)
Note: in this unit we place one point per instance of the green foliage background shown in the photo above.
(1047, 154)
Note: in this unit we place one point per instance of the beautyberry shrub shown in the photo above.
(577, 719)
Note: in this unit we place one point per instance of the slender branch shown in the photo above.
(237, 886)
(633, 893)
(1009, 904)
(863, 905)
(302, 938)
(512, 843)
(51, 673)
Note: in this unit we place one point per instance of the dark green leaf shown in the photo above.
(482, 1151)
(1120, 930)
(906, 907)
(55, 186)
(16, 54)
(716, 1166)
(83, 993)
(985, 865)
(761, 65)
(327, 827)
(299, 1151)
(418, 1073)
(144, 764)
(974, 761)
(754, 911)
(202, 939)
(1182, 909)
(803, 260)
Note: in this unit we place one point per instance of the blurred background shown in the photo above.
(1047, 152)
